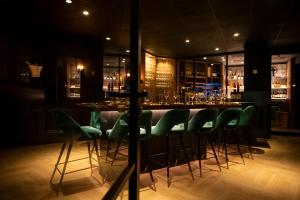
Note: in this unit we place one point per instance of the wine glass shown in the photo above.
(166, 95)
(176, 96)
(192, 96)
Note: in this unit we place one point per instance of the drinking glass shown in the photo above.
(166, 95)
(192, 95)
(176, 96)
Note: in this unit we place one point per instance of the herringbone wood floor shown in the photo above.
(273, 174)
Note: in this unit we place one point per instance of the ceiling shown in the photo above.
(165, 24)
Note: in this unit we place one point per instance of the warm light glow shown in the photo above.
(108, 38)
(85, 12)
(123, 61)
(128, 74)
(236, 34)
(107, 64)
(187, 41)
(127, 51)
(68, 1)
(242, 62)
(204, 58)
(217, 49)
(80, 67)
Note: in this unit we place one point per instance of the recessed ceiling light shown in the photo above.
(85, 12)
(127, 51)
(68, 1)
(108, 38)
(236, 34)
(204, 58)
(217, 49)
(187, 41)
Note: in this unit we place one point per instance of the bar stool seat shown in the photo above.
(92, 131)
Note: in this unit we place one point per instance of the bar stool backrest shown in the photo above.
(227, 116)
(95, 119)
(246, 115)
(69, 128)
(146, 121)
(120, 128)
(201, 117)
(169, 119)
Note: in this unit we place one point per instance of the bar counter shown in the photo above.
(120, 106)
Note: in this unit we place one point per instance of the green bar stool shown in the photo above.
(203, 123)
(226, 125)
(145, 136)
(120, 131)
(93, 130)
(117, 133)
(244, 123)
(166, 127)
(71, 132)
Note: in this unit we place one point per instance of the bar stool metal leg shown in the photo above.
(168, 162)
(90, 155)
(186, 155)
(238, 146)
(199, 158)
(57, 162)
(107, 149)
(64, 168)
(143, 148)
(213, 149)
(116, 151)
(225, 147)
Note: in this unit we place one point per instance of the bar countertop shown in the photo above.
(119, 106)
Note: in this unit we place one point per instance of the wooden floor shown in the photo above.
(273, 174)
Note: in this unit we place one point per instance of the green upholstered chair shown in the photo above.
(203, 123)
(173, 124)
(71, 132)
(117, 133)
(244, 123)
(93, 129)
(145, 136)
(95, 119)
(120, 131)
(226, 125)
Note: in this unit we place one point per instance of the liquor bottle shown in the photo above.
(234, 88)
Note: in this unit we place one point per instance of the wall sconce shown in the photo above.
(80, 67)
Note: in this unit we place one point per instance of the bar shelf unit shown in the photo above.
(199, 75)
